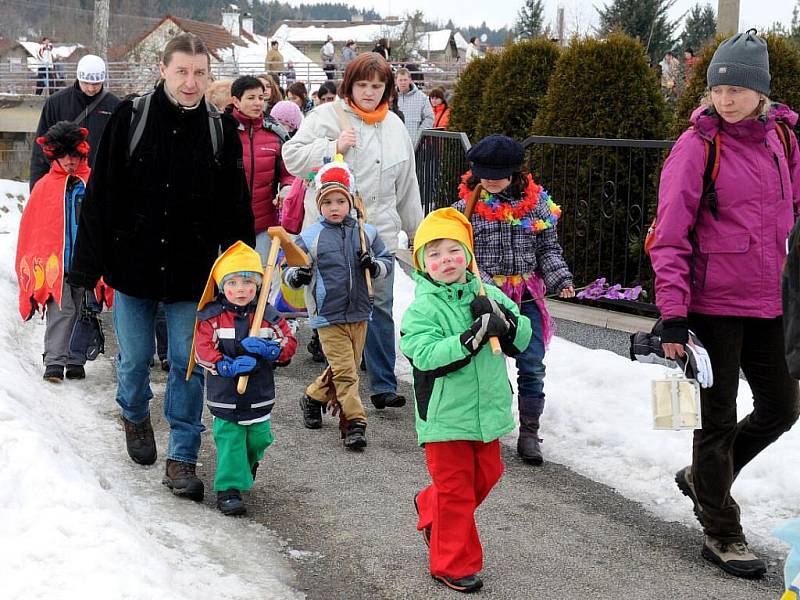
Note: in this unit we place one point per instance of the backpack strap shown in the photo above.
(141, 107)
(215, 128)
(785, 136)
(710, 173)
(271, 125)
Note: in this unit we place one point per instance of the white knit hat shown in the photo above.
(91, 69)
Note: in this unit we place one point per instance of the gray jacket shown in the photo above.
(417, 109)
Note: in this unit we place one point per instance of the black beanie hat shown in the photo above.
(741, 60)
(496, 157)
(63, 138)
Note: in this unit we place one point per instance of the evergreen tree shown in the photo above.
(700, 27)
(794, 31)
(645, 20)
(530, 19)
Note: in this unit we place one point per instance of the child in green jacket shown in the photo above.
(463, 396)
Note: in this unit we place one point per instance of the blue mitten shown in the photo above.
(268, 349)
(233, 367)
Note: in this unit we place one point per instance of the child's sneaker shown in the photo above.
(53, 373)
(312, 412)
(356, 437)
(230, 503)
(467, 585)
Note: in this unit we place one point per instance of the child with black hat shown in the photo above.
(337, 299)
(44, 248)
(224, 347)
(516, 247)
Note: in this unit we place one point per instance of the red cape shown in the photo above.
(40, 246)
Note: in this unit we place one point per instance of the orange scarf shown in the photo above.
(371, 117)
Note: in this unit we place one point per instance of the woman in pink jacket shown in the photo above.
(718, 260)
(262, 139)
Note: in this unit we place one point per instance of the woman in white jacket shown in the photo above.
(376, 145)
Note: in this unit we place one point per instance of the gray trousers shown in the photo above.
(60, 322)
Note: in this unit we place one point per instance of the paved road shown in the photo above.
(547, 532)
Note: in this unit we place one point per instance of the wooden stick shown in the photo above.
(469, 207)
(255, 328)
(358, 203)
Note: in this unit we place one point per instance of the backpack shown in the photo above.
(141, 108)
(272, 125)
(711, 171)
(790, 296)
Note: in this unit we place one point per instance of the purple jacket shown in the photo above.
(729, 265)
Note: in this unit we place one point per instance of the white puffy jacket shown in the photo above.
(382, 162)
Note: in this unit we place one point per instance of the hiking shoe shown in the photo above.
(390, 399)
(75, 372)
(312, 412)
(356, 437)
(734, 558)
(140, 442)
(466, 585)
(685, 483)
(165, 365)
(230, 503)
(182, 479)
(426, 532)
(53, 373)
(314, 348)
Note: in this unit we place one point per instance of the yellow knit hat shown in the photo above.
(239, 257)
(444, 223)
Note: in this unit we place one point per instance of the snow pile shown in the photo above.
(80, 520)
(598, 422)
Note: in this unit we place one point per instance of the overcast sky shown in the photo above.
(754, 13)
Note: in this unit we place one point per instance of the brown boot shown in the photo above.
(140, 441)
(734, 558)
(528, 441)
(182, 479)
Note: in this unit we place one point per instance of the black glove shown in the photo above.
(482, 328)
(674, 331)
(299, 277)
(367, 261)
(483, 305)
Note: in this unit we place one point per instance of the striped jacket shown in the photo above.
(338, 289)
(221, 326)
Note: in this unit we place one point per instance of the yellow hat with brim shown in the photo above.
(239, 257)
(444, 223)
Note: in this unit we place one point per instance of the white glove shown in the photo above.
(699, 361)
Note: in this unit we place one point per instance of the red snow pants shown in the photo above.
(463, 474)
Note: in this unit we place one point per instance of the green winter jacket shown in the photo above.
(458, 396)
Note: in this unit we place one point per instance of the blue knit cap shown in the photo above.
(247, 274)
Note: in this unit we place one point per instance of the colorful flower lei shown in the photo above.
(490, 208)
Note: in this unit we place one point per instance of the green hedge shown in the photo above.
(467, 104)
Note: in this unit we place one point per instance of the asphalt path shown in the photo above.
(348, 521)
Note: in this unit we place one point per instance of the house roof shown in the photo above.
(435, 41)
(368, 33)
(216, 37)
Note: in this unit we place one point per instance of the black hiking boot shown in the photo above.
(356, 437)
(685, 483)
(182, 479)
(426, 532)
(466, 585)
(312, 412)
(315, 348)
(528, 447)
(53, 373)
(75, 372)
(390, 399)
(230, 503)
(140, 441)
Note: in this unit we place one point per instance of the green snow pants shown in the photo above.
(239, 448)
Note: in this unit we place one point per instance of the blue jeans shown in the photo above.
(379, 351)
(530, 365)
(134, 324)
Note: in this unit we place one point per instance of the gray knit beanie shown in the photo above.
(741, 60)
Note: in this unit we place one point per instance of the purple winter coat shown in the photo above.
(729, 265)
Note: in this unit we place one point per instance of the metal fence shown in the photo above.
(132, 77)
(607, 190)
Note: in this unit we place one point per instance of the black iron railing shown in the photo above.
(607, 190)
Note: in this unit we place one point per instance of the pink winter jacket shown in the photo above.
(729, 265)
(260, 148)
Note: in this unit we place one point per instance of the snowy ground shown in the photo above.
(77, 518)
(598, 421)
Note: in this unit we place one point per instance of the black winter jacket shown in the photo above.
(152, 225)
(67, 105)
